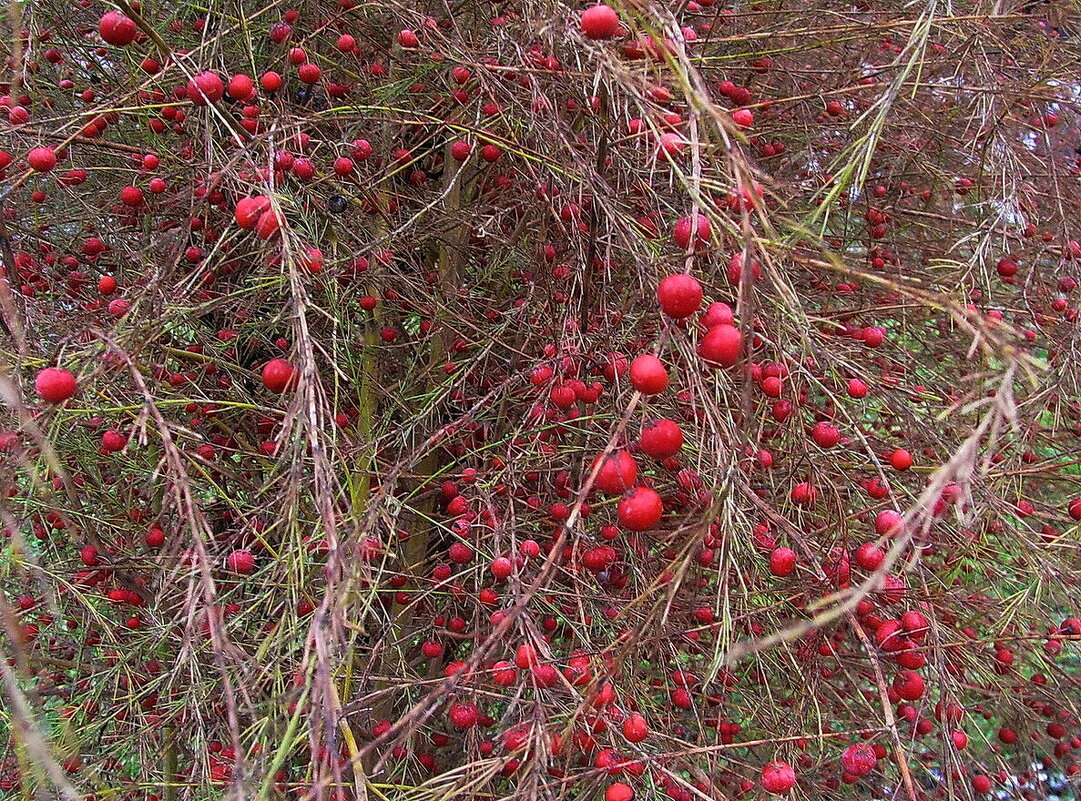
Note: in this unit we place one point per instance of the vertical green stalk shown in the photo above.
(170, 764)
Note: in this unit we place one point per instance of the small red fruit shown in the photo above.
(661, 439)
(889, 522)
(684, 228)
(648, 374)
(55, 385)
(116, 28)
(901, 459)
(312, 260)
(778, 777)
(241, 561)
(278, 375)
(782, 562)
(41, 159)
(204, 88)
(249, 209)
(804, 494)
(717, 314)
(131, 196)
(735, 269)
(635, 727)
(113, 441)
(525, 656)
(270, 81)
(680, 295)
(825, 434)
(89, 556)
(600, 22)
(869, 556)
(241, 87)
(743, 118)
(618, 473)
(270, 221)
(857, 388)
(909, 685)
(859, 759)
(640, 509)
(460, 150)
(463, 715)
(721, 346)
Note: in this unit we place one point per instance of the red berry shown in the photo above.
(909, 685)
(901, 459)
(804, 493)
(55, 385)
(735, 269)
(116, 28)
(874, 336)
(619, 792)
(679, 295)
(778, 777)
(131, 196)
(249, 209)
(460, 150)
(270, 81)
(825, 435)
(89, 556)
(635, 727)
(782, 562)
(431, 649)
(600, 22)
(270, 221)
(463, 715)
(721, 346)
(869, 556)
(648, 374)
(717, 314)
(525, 656)
(857, 388)
(241, 87)
(889, 522)
(278, 375)
(618, 473)
(204, 88)
(661, 439)
(41, 159)
(640, 509)
(859, 759)
(240, 561)
(312, 260)
(113, 441)
(684, 228)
